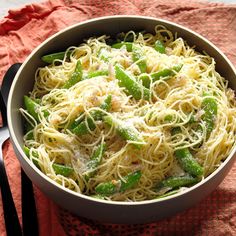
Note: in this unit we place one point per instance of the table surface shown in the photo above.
(11, 4)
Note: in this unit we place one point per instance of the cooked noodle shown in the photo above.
(180, 97)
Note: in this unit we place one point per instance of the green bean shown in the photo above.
(97, 73)
(188, 163)
(138, 56)
(128, 45)
(131, 85)
(125, 131)
(76, 76)
(82, 127)
(176, 182)
(55, 56)
(32, 107)
(58, 168)
(165, 73)
(115, 186)
(95, 160)
(159, 47)
(209, 105)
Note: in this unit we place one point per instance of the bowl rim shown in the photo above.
(81, 195)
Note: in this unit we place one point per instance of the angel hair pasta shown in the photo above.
(135, 118)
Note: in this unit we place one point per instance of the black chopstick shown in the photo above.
(12, 223)
(29, 213)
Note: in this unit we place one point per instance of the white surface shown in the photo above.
(5, 5)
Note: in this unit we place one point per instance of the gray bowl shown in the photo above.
(101, 210)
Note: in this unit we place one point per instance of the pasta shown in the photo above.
(129, 120)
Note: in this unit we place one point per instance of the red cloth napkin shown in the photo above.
(24, 29)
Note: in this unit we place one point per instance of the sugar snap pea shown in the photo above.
(95, 160)
(32, 107)
(176, 182)
(97, 73)
(76, 76)
(125, 131)
(74, 123)
(62, 169)
(128, 45)
(209, 105)
(139, 56)
(28, 128)
(58, 168)
(188, 162)
(34, 153)
(106, 106)
(131, 85)
(165, 73)
(37, 100)
(55, 56)
(108, 188)
(115, 186)
(168, 118)
(159, 47)
(130, 180)
(82, 127)
(26, 151)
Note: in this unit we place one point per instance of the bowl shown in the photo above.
(85, 206)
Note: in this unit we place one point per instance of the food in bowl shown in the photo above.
(131, 119)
